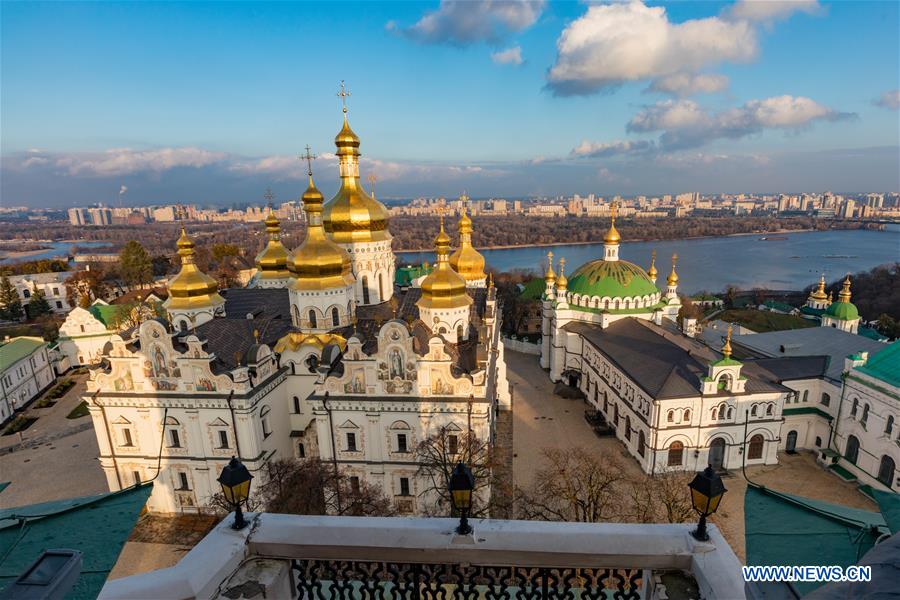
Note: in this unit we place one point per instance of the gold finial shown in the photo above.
(673, 276)
(549, 275)
(256, 335)
(726, 349)
(343, 95)
(612, 235)
(372, 178)
(652, 270)
(613, 208)
(561, 281)
(562, 267)
(844, 295)
(308, 157)
(491, 280)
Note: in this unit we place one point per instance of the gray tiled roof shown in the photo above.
(274, 303)
(231, 339)
(664, 364)
(814, 341)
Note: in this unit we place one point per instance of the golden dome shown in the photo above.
(549, 274)
(353, 215)
(561, 281)
(191, 288)
(612, 235)
(652, 270)
(273, 261)
(673, 276)
(466, 260)
(844, 294)
(819, 292)
(319, 263)
(443, 287)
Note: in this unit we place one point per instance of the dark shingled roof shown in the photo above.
(664, 364)
(788, 368)
(274, 303)
(232, 339)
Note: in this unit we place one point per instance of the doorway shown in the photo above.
(717, 454)
(790, 445)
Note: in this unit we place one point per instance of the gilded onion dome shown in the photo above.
(819, 292)
(673, 276)
(549, 274)
(443, 287)
(652, 270)
(466, 260)
(843, 309)
(612, 234)
(318, 263)
(191, 288)
(353, 215)
(272, 262)
(561, 281)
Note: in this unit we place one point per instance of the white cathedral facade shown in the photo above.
(321, 357)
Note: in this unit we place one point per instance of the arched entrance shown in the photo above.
(717, 454)
(851, 452)
(790, 445)
(886, 471)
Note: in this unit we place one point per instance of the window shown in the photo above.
(136, 477)
(770, 410)
(296, 405)
(335, 317)
(223, 438)
(676, 454)
(805, 395)
(642, 441)
(264, 421)
(354, 485)
(365, 289)
(670, 416)
(886, 470)
(714, 414)
(889, 426)
(628, 428)
(404, 486)
(183, 481)
(126, 434)
(56, 291)
(26, 293)
(753, 411)
(452, 444)
(174, 439)
(401, 442)
(826, 399)
(351, 442)
(380, 287)
(312, 319)
(865, 415)
(854, 408)
(755, 450)
(687, 414)
(82, 328)
(818, 442)
(459, 332)
(58, 304)
(301, 450)
(851, 452)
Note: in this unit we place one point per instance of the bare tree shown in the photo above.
(439, 454)
(660, 498)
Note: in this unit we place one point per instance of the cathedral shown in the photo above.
(321, 356)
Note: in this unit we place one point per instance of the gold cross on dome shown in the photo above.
(343, 95)
(372, 178)
(674, 259)
(308, 157)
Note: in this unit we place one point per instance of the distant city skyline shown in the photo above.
(211, 103)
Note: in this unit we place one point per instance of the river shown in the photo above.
(712, 263)
(54, 250)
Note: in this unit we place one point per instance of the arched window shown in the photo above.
(770, 410)
(296, 405)
(826, 399)
(755, 451)
(26, 293)
(805, 395)
(687, 414)
(676, 454)
(886, 471)
(715, 413)
(670, 416)
(312, 319)
(617, 303)
(606, 304)
(380, 287)
(724, 382)
(854, 408)
(851, 452)
(753, 411)
(865, 415)
(264, 421)
(182, 325)
(628, 428)
(365, 289)
(730, 412)
(335, 317)
(459, 332)
(642, 441)
(889, 426)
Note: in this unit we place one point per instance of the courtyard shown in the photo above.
(543, 419)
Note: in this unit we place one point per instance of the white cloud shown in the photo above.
(510, 56)
(125, 161)
(688, 84)
(685, 123)
(771, 10)
(889, 99)
(617, 147)
(464, 22)
(615, 43)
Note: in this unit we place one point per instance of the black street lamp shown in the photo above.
(235, 481)
(707, 490)
(462, 482)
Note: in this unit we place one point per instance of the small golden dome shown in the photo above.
(273, 260)
(318, 263)
(191, 288)
(819, 292)
(353, 215)
(549, 274)
(612, 235)
(561, 281)
(673, 276)
(844, 294)
(466, 260)
(443, 287)
(652, 270)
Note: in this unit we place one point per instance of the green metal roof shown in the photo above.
(885, 365)
(809, 310)
(105, 313)
(534, 289)
(98, 526)
(779, 306)
(889, 505)
(807, 410)
(404, 276)
(616, 279)
(18, 348)
(845, 311)
(783, 529)
(870, 333)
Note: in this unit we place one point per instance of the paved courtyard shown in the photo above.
(53, 459)
(542, 419)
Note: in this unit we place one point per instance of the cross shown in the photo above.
(613, 208)
(372, 178)
(343, 95)
(674, 259)
(440, 210)
(308, 157)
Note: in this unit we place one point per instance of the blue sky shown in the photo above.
(210, 102)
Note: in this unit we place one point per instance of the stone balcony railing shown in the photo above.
(289, 556)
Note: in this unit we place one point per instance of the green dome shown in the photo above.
(843, 311)
(616, 279)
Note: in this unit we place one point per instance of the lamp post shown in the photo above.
(707, 490)
(462, 482)
(235, 482)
